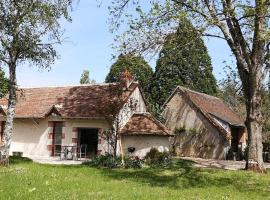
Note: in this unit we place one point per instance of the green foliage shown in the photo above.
(133, 162)
(30, 29)
(230, 90)
(154, 158)
(3, 84)
(179, 130)
(156, 110)
(193, 131)
(107, 161)
(184, 61)
(136, 65)
(85, 77)
(18, 159)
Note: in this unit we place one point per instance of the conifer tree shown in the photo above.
(184, 61)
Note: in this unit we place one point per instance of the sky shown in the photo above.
(89, 47)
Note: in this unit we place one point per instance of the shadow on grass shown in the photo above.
(182, 175)
(18, 160)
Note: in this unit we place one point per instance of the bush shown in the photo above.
(133, 162)
(107, 161)
(154, 158)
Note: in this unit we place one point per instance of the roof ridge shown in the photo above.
(200, 93)
(215, 98)
(65, 86)
(207, 116)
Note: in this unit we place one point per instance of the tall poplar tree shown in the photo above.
(184, 61)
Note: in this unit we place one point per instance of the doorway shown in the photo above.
(235, 140)
(88, 140)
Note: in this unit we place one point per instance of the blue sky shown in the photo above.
(90, 48)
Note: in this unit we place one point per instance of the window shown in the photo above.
(57, 138)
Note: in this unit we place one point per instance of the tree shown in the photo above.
(28, 32)
(136, 65)
(3, 84)
(85, 77)
(115, 111)
(110, 112)
(243, 25)
(231, 91)
(184, 61)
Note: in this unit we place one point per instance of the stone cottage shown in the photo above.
(204, 125)
(50, 118)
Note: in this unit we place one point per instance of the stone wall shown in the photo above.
(198, 137)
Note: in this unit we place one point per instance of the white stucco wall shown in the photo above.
(31, 137)
(144, 143)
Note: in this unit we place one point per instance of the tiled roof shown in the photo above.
(213, 106)
(144, 124)
(84, 101)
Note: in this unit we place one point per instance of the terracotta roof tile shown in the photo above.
(213, 106)
(144, 124)
(71, 101)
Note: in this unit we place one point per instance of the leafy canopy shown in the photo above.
(85, 77)
(29, 29)
(3, 84)
(136, 65)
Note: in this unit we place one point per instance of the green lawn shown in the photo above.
(27, 180)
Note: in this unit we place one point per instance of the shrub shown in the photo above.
(172, 150)
(154, 158)
(179, 130)
(133, 162)
(107, 161)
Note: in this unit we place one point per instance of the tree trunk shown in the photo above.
(254, 161)
(10, 116)
(115, 146)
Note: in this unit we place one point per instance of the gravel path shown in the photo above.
(221, 164)
(57, 161)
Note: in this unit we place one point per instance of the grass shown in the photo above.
(28, 180)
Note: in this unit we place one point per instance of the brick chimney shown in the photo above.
(126, 78)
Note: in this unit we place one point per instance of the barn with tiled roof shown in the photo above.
(204, 125)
